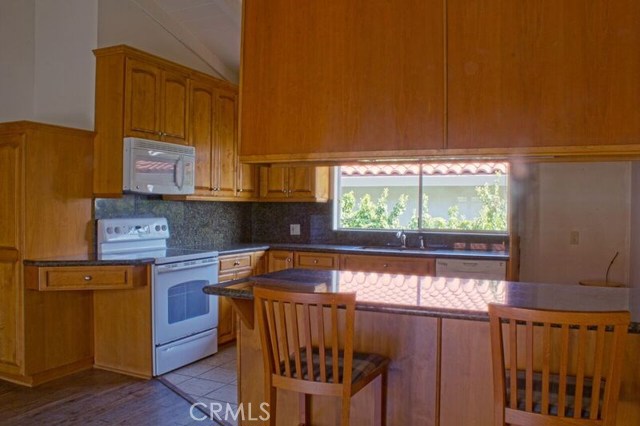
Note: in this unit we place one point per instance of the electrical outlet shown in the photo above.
(294, 229)
(574, 238)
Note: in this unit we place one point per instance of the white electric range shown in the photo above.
(184, 318)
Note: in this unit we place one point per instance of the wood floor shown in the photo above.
(95, 397)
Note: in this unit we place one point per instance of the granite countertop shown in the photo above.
(87, 259)
(436, 296)
(93, 259)
(391, 251)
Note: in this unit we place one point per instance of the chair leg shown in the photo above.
(305, 409)
(380, 407)
(346, 410)
(272, 401)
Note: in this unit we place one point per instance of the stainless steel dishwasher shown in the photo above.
(466, 268)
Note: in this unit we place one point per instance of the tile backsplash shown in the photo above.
(192, 224)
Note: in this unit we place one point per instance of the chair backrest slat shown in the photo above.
(597, 372)
(580, 364)
(529, 367)
(291, 323)
(565, 373)
(513, 363)
(323, 358)
(335, 341)
(564, 366)
(283, 338)
(546, 366)
(296, 339)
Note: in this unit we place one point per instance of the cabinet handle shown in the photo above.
(284, 191)
(315, 261)
(88, 277)
(289, 191)
(236, 263)
(289, 259)
(240, 190)
(385, 265)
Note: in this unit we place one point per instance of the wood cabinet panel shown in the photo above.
(81, 278)
(142, 100)
(175, 112)
(388, 264)
(341, 80)
(203, 101)
(313, 260)
(278, 260)
(225, 161)
(542, 73)
(233, 263)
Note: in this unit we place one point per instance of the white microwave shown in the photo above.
(152, 167)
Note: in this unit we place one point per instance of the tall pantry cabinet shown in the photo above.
(45, 211)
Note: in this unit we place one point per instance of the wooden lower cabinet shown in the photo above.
(388, 264)
(45, 175)
(82, 278)
(235, 267)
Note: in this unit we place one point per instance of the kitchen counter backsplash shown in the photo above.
(192, 224)
(270, 224)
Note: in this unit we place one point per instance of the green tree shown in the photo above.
(368, 214)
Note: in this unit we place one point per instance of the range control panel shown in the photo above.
(132, 229)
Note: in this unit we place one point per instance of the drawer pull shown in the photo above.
(385, 265)
(289, 259)
(88, 277)
(315, 261)
(236, 263)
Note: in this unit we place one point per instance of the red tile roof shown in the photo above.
(427, 169)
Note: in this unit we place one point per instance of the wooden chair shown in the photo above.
(301, 332)
(563, 368)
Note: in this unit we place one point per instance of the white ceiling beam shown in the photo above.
(184, 36)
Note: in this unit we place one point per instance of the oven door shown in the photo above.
(181, 308)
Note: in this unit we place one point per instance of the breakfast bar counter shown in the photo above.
(436, 333)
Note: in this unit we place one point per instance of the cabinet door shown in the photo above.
(225, 145)
(335, 78)
(273, 182)
(175, 107)
(301, 182)
(279, 260)
(201, 135)
(10, 252)
(246, 181)
(142, 100)
(542, 73)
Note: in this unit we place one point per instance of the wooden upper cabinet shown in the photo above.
(543, 73)
(341, 80)
(155, 103)
(142, 95)
(294, 183)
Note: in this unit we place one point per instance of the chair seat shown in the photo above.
(363, 364)
(554, 388)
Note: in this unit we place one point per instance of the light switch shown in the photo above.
(294, 229)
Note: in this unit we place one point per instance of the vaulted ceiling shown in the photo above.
(216, 24)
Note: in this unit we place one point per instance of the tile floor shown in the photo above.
(210, 380)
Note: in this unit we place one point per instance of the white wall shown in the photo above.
(124, 22)
(65, 34)
(16, 59)
(591, 198)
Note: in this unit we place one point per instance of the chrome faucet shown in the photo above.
(403, 238)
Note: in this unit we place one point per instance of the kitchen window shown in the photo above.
(456, 197)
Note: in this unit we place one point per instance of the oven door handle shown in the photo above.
(169, 268)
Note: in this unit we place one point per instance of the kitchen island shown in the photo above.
(436, 333)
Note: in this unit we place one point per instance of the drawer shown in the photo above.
(84, 278)
(230, 263)
(388, 264)
(316, 260)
